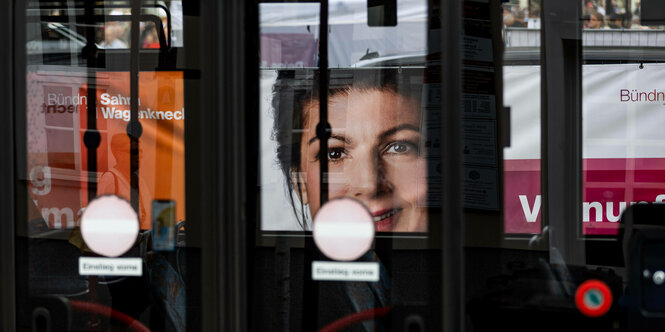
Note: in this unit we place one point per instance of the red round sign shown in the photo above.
(593, 298)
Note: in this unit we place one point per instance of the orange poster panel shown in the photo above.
(161, 146)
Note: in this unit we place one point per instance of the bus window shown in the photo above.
(376, 87)
(622, 147)
(521, 93)
(100, 122)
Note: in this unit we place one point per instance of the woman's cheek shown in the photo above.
(311, 171)
(421, 182)
(410, 180)
(337, 184)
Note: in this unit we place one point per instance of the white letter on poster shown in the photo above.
(530, 214)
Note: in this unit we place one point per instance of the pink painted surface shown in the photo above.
(610, 185)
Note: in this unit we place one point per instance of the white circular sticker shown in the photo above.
(109, 226)
(659, 277)
(343, 229)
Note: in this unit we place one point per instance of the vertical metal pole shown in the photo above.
(7, 171)
(451, 124)
(235, 98)
(203, 24)
(134, 126)
(561, 179)
(216, 150)
(91, 137)
(323, 130)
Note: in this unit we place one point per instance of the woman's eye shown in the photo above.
(335, 154)
(399, 148)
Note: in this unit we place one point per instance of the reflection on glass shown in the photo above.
(289, 34)
(375, 153)
(611, 14)
(53, 32)
(383, 110)
(620, 14)
(65, 169)
(57, 154)
(116, 34)
(622, 141)
(521, 14)
(522, 194)
(394, 170)
(521, 92)
(620, 111)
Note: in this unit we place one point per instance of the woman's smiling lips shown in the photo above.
(384, 219)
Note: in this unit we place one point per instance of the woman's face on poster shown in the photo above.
(373, 156)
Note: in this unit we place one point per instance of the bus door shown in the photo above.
(355, 150)
(99, 233)
(376, 165)
(535, 130)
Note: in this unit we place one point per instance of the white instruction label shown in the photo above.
(100, 266)
(340, 271)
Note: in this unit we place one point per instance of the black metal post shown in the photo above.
(134, 126)
(91, 137)
(323, 130)
(451, 137)
(7, 171)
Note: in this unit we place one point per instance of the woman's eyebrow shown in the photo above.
(337, 137)
(393, 130)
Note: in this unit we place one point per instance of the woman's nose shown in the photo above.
(366, 177)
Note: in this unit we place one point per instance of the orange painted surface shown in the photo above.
(58, 161)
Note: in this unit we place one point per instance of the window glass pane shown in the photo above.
(621, 105)
(84, 140)
(383, 108)
(521, 84)
(289, 40)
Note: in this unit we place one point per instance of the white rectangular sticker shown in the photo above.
(338, 271)
(99, 266)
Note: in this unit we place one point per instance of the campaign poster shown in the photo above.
(623, 162)
(57, 158)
